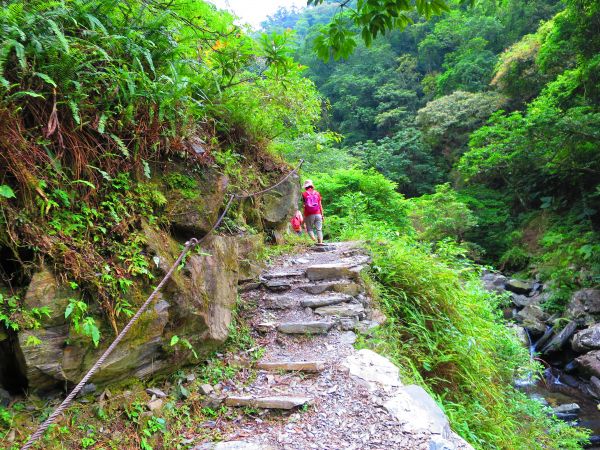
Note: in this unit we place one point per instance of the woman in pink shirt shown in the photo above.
(313, 212)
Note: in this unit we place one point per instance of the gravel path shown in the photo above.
(347, 406)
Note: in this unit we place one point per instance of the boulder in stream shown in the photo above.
(519, 286)
(585, 304)
(588, 339)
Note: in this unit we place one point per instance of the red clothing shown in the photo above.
(297, 222)
(312, 202)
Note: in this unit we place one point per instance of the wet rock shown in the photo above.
(532, 317)
(519, 286)
(494, 281)
(342, 310)
(567, 417)
(588, 339)
(252, 286)
(87, 389)
(522, 300)
(305, 327)
(590, 363)
(572, 408)
(374, 369)
(330, 271)
(559, 341)
(415, 408)
(584, 303)
(323, 248)
(521, 334)
(595, 385)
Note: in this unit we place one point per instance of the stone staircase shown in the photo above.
(323, 393)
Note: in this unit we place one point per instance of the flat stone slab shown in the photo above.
(342, 287)
(301, 366)
(282, 275)
(330, 271)
(342, 310)
(415, 408)
(275, 402)
(278, 286)
(315, 302)
(374, 369)
(313, 327)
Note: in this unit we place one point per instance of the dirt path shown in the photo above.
(313, 390)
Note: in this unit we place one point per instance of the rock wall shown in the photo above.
(196, 304)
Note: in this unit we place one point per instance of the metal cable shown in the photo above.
(187, 247)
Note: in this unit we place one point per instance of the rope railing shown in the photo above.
(187, 247)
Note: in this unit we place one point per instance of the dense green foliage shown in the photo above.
(95, 98)
(487, 118)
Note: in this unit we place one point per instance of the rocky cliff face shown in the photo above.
(196, 304)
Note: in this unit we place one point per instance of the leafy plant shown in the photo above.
(82, 324)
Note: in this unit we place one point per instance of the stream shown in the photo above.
(557, 388)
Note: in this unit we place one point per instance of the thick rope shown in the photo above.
(187, 247)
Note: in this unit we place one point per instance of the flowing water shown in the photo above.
(554, 392)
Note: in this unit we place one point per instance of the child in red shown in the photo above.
(313, 212)
(297, 222)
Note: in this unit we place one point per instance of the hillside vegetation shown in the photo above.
(469, 138)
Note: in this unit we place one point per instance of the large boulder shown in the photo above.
(192, 211)
(559, 341)
(196, 305)
(533, 318)
(590, 363)
(44, 291)
(584, 305)
(588, 339)
(493, 281)
(519, 286)
(279, 204)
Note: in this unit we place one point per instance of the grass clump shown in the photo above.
(446, 333)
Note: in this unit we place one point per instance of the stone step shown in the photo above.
(280, 302)
(341, 286)
(342, 310)
(332, 271)
(283, 274)
(312, 327)
(274, 402)
(300, 366)
(278, 285)
(315, 302)
(323, 248)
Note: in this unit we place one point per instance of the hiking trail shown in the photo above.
(313, 389)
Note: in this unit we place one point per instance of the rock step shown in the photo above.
(312, 327)
(342, 286)
(323, 248)
(275, 402)
(300, 366)
(342, 310)
(283, 275)
(315, 302)
(332, 271)
(278, 285)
